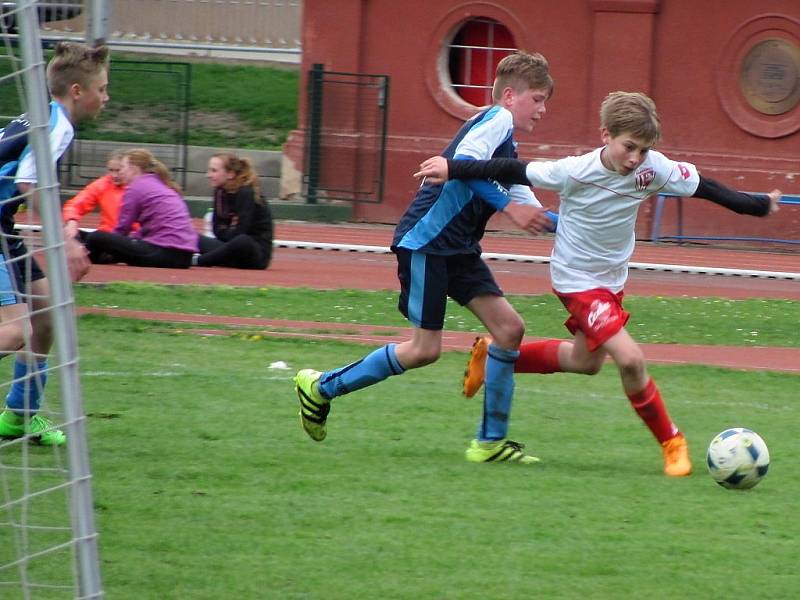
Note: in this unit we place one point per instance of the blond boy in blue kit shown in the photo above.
(437, 247)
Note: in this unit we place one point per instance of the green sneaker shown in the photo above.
(499, 451)
(40, 430)
(314, 408)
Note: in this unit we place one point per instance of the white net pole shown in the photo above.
(64, 326)
(99, 21)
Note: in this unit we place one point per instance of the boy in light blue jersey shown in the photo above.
(77, 77)
(437, 246)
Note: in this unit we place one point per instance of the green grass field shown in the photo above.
(242, 106)
(654, 319)
(206, 487)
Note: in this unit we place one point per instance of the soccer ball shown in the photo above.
(737, 458)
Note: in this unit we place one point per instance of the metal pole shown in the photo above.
(314, 132)
(66, 339)
(99, 26)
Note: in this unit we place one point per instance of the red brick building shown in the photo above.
(725, 75)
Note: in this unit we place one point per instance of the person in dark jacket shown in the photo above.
(242, 221)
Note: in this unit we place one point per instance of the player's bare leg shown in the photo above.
(645, 399)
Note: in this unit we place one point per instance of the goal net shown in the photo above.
(48, 540)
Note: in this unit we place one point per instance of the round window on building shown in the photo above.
(477, 46)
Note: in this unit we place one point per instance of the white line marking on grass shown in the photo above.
(127, 373)
(758, 405)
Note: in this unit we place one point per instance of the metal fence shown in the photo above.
(150, 107)
(345, 142)
(239, 26)
(680, 235)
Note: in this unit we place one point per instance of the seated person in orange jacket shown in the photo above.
(105, 193)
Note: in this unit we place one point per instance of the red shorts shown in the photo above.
(597, 313)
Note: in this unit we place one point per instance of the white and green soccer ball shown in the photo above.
(737, 458)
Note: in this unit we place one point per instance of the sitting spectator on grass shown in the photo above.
(104, 193)
(242, 221)
(166, 236)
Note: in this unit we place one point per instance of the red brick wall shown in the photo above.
(685, 54)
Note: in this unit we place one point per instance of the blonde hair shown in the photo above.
(242, 168)
(633, 113)
(74, 63)
(148, 163)
(521, 71)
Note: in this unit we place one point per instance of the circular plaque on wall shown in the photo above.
(770, 76)
(758, 76)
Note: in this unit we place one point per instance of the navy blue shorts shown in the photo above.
(426, 280)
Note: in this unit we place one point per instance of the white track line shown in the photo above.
(693, 270)
(524, 258)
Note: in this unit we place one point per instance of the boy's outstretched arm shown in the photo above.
(438, 169)
(527, 217)
(759, 205)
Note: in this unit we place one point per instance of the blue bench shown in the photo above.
(655, 234)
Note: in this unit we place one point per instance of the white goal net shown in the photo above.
(48, 541)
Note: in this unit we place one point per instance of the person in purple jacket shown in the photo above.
(166, 236)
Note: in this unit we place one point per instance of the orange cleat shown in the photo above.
(676, 457)
(475, 372)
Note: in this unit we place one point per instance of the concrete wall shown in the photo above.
(262, 24)
(266, 163)
(197, 191)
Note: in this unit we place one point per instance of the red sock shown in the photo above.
(538, 357)
(650, 408)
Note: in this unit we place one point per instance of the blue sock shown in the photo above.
(371, 369)
(498, 390)
(26, 391)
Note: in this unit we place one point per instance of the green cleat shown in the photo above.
(39, 429)
(314, 408)
(499, 451)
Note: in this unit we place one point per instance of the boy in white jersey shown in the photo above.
(600, 195)
(77, 77)
(437, 245)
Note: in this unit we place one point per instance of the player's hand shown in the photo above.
(528, 217)
(774, 197)
(433, 170)
(77, 259)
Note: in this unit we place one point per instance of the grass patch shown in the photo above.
(753, 322)
(205, 486)
(243, 106)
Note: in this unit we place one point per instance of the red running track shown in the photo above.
(325, 269)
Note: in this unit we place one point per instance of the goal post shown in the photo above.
(28, 474)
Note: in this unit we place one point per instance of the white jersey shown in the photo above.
(481, 141)
(61, 134)
(597, 217)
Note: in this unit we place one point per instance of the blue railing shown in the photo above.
(786, 199)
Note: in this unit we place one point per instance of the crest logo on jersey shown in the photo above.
(684, 171)
(644, 178)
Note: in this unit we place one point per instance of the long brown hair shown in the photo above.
(242, 168)
(148, 163)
